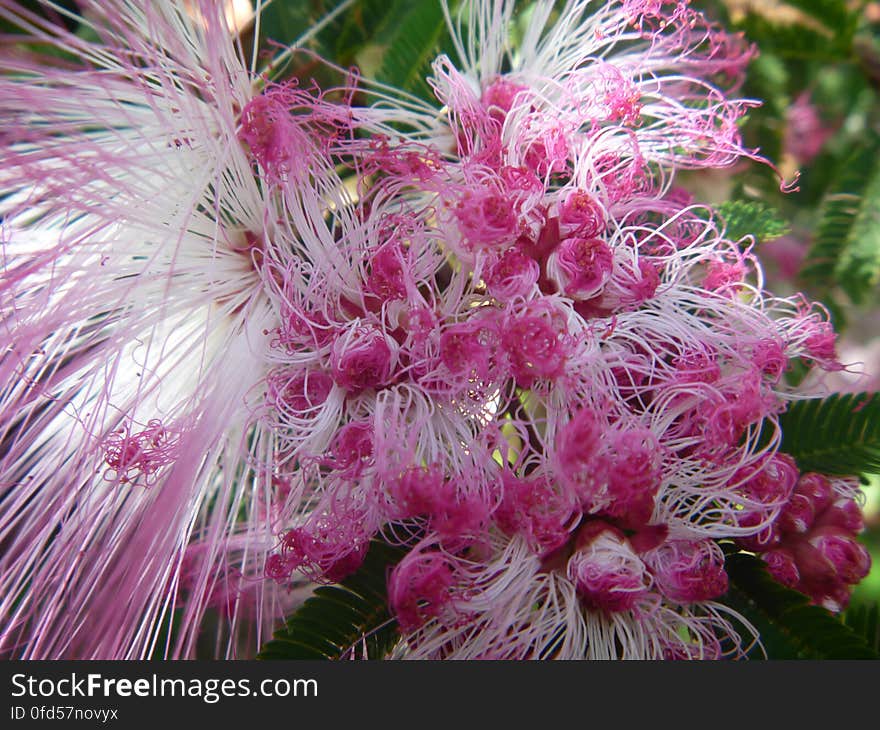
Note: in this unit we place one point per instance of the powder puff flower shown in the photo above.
(520, 354)
(574, 423)
(139, 230)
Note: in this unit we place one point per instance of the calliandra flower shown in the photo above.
(572, 423)
(138, 293)
(521, 354)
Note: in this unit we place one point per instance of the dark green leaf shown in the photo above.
(790, 628)
(835, 435)
(797, 40)
(411, 44)
(369, 22)
(344, 618)
(833, 14)
(865, 621)
(326, 27)
(858, 269)
(285, 22)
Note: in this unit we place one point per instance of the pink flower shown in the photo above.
(515, 353)
(606, 572)
(805, 133)
(140, 282)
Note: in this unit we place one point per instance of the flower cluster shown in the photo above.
(491, 331)
(812, 545)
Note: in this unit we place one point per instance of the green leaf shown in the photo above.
(858, 269)
(368, 22)
(337, 620)
(833, 14)
(835, 435)
(790, 628)
(411, 44)
(751, 217)
(797, 40)
(846, 248)
(330, 28)
(285, 22)
(767, 79)
(865, 621)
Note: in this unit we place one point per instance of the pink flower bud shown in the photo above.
(817, 489)
(608, 575)
(363, 357)
(513, 274)
(535, 344)
(296, 391)
(849, 559)
(387, 277)
(422, 587)
(580, 215)
(352, 449)
(500, 96)
(579, 447)
(686, 571)
(845, 514)
(782, 566)
(797, 516)
(581, 266)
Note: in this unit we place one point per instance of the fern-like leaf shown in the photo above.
(350, 618)
(846, 249)
(865, 621)
(412, 42)
(751, 217)
(858, 270)
(790, 628)
(835, 435)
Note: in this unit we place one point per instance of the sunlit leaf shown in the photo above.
(751, 218)
(835, 435)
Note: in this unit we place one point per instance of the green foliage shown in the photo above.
(865, 621)
(393, 41)
(807, 48)
(824, 32)
(835, 435)
(343, 30)
(366, 20)
(795, 41)
(767, 79)
(411, 43)
(833, 14)
(790, 628)
(858, 269)
(846, 248)
(751, 217)
(337, 620)
(285, 22)
(66, 12)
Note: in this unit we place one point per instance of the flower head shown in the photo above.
(518, 353)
